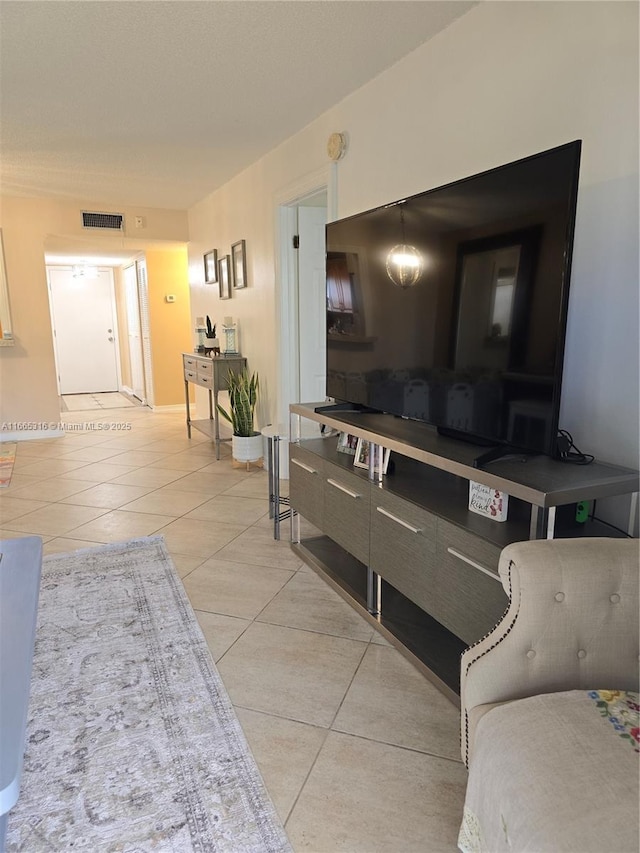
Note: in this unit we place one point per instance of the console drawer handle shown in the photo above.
(473, 563)
(344, 489)
(398, 520)
(304, 467)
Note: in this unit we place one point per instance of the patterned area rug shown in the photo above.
(7, 458)
(132, 742)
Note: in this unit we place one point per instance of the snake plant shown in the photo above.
(243, 395)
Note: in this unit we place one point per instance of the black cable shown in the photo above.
(594, 517)
(568, 452)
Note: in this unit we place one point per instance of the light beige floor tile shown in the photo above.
(155, 477)
(6, 533)
(206, 484)
(55, 519)
(116, 525)
(47, 467)
(18, 481)
(137, 458)
(198, 538)
(258, 547)
(367, 797)
(55, 489)
(187, 461)
(99, 472)
(220, 631)
(295, 674)
(171, 503)
(93, 453)
(255, 486)
(177, 445)
(134, 440)
(234, 510)
(390, 701)
(308, 602)
(234, 589)
(62, 545)
(284, 751)
(185, 563)
(15, 507)
(107, 495)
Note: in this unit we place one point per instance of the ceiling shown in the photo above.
(156, 104)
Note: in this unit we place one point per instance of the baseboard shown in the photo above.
(178, 407)
(31, 434)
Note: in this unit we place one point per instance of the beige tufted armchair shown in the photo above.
(571, 630)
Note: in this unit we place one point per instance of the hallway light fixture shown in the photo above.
(404, 262)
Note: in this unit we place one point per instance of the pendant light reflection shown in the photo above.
(404, 262)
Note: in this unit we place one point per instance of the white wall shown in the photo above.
(506, 80)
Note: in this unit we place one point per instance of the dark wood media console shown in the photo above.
(404, 549)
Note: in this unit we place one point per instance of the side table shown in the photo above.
(274, 435)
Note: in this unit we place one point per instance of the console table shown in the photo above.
(212, 374)
(405, 550)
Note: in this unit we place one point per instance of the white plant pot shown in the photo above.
(247, 448)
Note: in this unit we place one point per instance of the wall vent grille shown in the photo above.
(110, 221)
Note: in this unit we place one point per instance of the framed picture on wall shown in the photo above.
(224, 277)
(211, 266)
(239, 264)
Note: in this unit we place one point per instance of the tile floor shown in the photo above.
(358, 751)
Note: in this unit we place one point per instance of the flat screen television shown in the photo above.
(475, 346)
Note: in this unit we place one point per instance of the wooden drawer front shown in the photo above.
(205, 368)
(189, 362)
(403, 548)
(206, 381)
(346, 510)
(190, 375)
(471, 598)
(306, 484)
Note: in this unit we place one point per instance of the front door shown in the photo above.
(84, 326)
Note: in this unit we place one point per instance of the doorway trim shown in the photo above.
(323, 180)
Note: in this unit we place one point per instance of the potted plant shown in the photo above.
(211, 342)
(246, 443)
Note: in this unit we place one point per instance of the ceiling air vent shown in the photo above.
(110, 221)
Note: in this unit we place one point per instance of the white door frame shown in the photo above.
(287, 200)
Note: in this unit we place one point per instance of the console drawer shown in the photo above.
(204, 380)
(205, 367)
(403, 548)
(306, 484)
(190, 375)
(346, 510)
(471, 599)
(189, 363)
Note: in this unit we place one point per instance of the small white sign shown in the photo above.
(487, 501)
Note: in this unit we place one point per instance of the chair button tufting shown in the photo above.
(531, 654)
(582, 654)
(559, 596)
(615, 598)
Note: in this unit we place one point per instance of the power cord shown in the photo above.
(568, 452)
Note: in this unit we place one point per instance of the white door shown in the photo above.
(133, 332)
(312, 303)
(84, 326)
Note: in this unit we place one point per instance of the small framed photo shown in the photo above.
(211, 266)
(347, 443)
(361, 458)
(239, 264)
(224, 277)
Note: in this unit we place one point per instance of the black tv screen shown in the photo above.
(475, 346)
